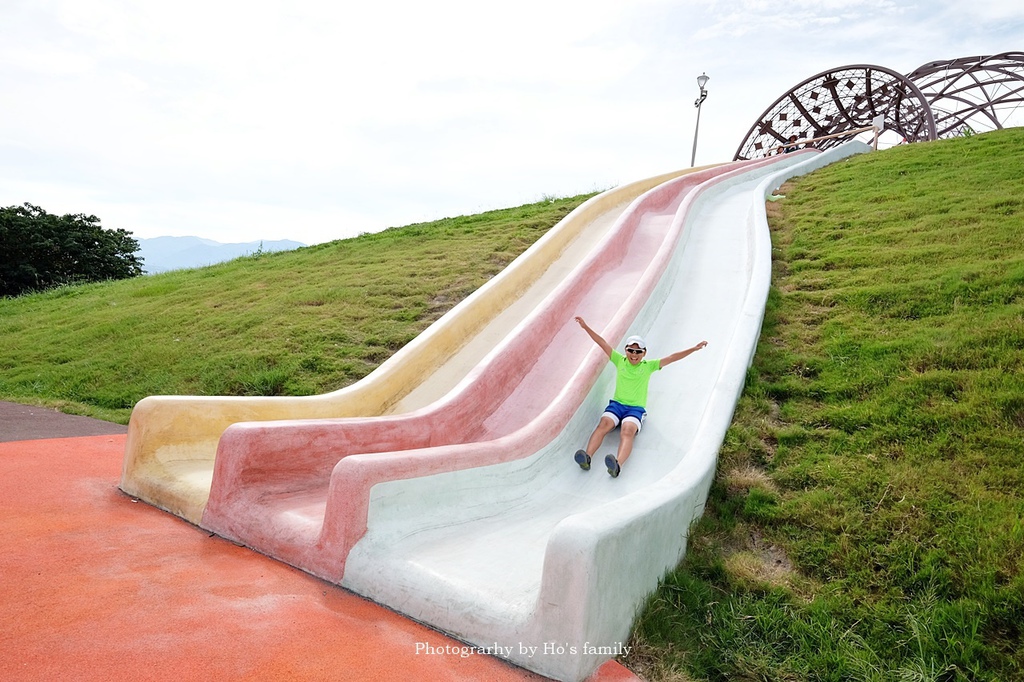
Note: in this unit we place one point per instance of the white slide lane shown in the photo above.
(543, 559)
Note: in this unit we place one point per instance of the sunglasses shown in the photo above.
(634, 351)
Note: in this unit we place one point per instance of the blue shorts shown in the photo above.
(620, 413)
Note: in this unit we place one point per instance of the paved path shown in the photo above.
(26, 422)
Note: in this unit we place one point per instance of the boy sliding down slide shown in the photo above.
(626, 409)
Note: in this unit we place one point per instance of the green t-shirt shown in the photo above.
(631, 380)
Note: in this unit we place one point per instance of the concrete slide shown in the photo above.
(172, 440)
(467, 512)
(300, 490)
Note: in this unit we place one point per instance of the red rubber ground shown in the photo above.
(96, 586)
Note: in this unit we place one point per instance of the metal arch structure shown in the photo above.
(939, 99)
(839, 100)
(973, 94)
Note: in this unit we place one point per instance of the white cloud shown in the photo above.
(315, 120)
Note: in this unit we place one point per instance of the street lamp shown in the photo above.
(702, 80)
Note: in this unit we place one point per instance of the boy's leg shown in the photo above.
(629, 427)
(626, 437)
(603, 428)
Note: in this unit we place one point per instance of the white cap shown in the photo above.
(638, 340)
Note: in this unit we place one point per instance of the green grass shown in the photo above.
(294, 323)
(867, 521)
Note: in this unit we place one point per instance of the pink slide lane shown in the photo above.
(299, 490)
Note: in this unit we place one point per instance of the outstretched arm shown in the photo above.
(675, 357)
(598, 339)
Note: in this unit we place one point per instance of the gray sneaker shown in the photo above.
(583, 459)
(613, 466)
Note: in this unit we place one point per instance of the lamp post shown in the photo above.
(702, 80)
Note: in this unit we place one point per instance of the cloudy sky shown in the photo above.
(313, 120)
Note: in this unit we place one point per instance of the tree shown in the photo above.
(39, 251)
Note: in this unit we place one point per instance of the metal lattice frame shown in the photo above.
(973, 94)
(837, 101)
(939, 99)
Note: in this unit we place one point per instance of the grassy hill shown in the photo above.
(867, 521)
(296, 323)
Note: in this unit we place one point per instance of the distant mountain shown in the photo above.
(161, 254)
